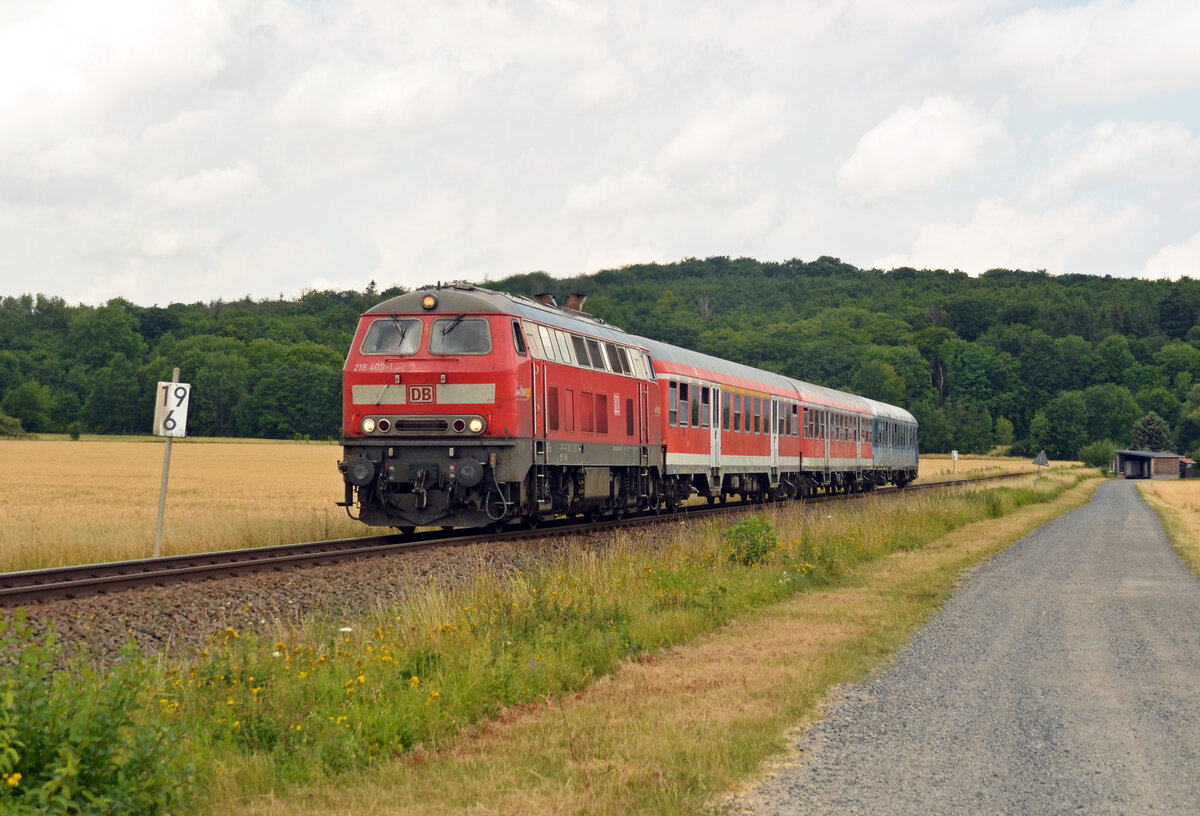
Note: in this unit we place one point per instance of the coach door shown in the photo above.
(776, 414)
(644, 421)
(538, 394)
(714, 447)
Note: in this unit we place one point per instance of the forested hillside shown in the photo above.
(1046, 362)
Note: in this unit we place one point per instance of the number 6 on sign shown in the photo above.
(171, 409)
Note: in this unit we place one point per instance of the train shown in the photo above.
(466, 407)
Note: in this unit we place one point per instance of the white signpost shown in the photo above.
(170, 420)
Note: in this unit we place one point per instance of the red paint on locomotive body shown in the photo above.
(464, 407)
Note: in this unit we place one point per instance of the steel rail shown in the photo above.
(57, 583)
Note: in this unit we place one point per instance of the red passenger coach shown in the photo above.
(465, 407)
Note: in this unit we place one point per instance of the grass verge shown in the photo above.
(714, 654)
(1178, 506)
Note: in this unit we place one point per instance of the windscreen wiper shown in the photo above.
(453, 324)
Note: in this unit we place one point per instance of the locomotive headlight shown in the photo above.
(368, 425)
(475, 426)
(428, 302)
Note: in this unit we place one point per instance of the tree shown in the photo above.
(30, 402)
(1150, 433)
(878, 380)
(1066, 416)
(1004, 431)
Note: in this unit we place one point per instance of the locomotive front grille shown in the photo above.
(414, 425)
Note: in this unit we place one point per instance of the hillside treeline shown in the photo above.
(1007, 357)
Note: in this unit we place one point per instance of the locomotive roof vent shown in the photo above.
(575, 301)
(545, 298)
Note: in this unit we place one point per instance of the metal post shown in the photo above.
(162, 494)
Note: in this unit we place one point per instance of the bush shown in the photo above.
(1098, 454)
(749, 541)
(76, 739)
(11, 426)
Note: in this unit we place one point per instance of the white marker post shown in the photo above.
(170, 420)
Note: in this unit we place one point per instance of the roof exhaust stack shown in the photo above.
(545, 298)
(575, 301)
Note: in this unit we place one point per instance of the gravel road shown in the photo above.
(1063, 676)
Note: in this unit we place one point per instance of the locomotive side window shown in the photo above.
(535, 345)
(564, 346)
(597, 356)
(547, 343)
(518, 338)
(581, 352)
(393, 336)
(626, 367)
(460, 335)
(614, 362)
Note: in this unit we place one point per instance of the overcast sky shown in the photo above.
(161, 151)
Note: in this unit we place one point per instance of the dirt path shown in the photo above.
(1062, 677)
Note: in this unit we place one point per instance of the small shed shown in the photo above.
(1187, 467)
(1149, 465)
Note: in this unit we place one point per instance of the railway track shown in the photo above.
(38, 586)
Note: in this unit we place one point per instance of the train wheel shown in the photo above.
(533, 520)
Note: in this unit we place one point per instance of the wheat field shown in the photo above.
(97, 500)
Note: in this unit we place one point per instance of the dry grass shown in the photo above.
(698, 718)
(1178, 504)
(939, 466)
(81, 502)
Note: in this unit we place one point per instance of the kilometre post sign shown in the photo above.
(171, 408)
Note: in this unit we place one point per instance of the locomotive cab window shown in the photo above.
(460, 335)
(518, 338)
(393, 336)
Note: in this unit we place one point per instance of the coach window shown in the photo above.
(460, 335)
(725, 400)
(684, 393)
(705, 406)
(696, 413)
(393, 336)
(757, 420)
(795, 429)
(737, 412)
(673, 403)
(547, 343)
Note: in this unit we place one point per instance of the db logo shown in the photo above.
(420, 393)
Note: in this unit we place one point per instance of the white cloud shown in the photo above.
(1100, 50)
(999, 235)
(917, 149)
(1125, 152)
(1174, 262)
(729, 134)
(208, 189)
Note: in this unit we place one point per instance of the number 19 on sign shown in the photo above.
(171, 409)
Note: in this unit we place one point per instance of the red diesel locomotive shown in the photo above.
(464, 407)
